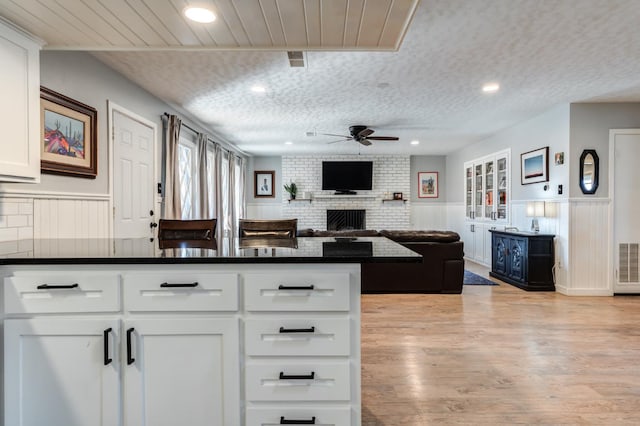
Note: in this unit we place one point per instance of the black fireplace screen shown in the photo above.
(345, 219)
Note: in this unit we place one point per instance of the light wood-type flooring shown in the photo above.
(498, 355)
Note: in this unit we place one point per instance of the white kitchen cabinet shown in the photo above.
(487, 195)
(61, 372)
(19, 105)
(174, 352)
(181, 371)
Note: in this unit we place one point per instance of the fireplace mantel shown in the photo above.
(344, 197)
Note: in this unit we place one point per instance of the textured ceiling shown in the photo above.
(543, 53)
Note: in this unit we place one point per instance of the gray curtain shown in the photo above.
(202, 203)
(217, 191)
(233, 201)
(172, 201)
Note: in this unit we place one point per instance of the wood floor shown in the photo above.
(497, 355)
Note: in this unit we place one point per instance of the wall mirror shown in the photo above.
(589, 171)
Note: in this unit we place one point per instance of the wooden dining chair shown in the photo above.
(276, 228)
(187, 233)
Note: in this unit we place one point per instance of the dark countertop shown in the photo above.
(521, 233)
(146, 251)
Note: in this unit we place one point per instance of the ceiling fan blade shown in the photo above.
(333, 134)
(364, 141)
(364, 133)
(383, 138)
(339, 140)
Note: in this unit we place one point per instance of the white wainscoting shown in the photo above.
(428, 216)
(264, 211)
(70, 218)
(589, 262)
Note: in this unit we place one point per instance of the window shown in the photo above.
(186, 167)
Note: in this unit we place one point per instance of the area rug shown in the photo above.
(474, 279)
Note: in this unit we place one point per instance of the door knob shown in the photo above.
(153, 225)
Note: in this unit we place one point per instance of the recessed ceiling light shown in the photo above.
(258, 89)
(199, 14)
(288, 143)
(415, 142)
(491, 87)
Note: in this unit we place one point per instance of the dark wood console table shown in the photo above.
(524, 259)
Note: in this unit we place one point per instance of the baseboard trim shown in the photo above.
(583, 291)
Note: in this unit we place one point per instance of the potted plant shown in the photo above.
(292, 189)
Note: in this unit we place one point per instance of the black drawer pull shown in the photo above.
(57, 286)
(284, 421)
(296, 287)
(105, 335)
(297, 376)
(165, 285)
(297, 330)
(130, 359)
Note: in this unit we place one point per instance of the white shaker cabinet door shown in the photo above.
(181, 371)
(61, 372)
(19, 106)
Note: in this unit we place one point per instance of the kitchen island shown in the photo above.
(111, 332)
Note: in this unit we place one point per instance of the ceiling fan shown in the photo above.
(362, 135)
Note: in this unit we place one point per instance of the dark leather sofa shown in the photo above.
(441, 270)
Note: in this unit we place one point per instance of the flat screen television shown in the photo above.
(345, 177)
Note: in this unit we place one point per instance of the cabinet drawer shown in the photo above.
(298, 381)
(302, 291)
(339, 416)
(180, 291)
(297, 336)
(54, 292)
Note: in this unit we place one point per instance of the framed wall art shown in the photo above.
(263, 183)
(535, 166)
(428, 184)
(69, 135)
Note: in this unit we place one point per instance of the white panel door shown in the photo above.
(181, 372)
(57, 372)
(133, 176)
(626, 197)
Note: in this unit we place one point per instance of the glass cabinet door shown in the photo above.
(502, 188)
(468, 191)
(489, 188)
(479, 191)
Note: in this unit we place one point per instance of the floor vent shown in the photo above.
(296, 58)
(629, 263)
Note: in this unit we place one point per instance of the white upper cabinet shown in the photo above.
(19, 106)
(487, 187)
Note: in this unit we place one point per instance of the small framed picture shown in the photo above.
(397, 195)
(69, 136)
(263, 183)
(559, 158)
(535, 166)
(427, 184)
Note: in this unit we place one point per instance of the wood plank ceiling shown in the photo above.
(240, 24)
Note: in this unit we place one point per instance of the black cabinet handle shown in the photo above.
(284, 421)
(297, 376)
(105, 335)
(130, 359)
(297, 330)
(165, 285)
(296, 287)
(57, 286)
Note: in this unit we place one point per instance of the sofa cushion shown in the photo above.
(421, 236)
